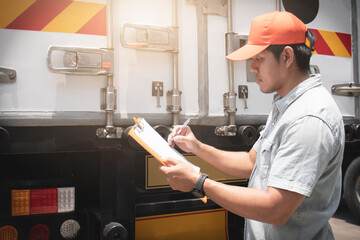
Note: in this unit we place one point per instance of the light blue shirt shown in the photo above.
(301, 150)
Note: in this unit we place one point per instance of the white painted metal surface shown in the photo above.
(36, 89)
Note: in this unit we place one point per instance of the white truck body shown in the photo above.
(65, 114)
(53, 99)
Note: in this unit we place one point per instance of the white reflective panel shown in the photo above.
(66, 199)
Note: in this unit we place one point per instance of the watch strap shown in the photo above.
(198, 188)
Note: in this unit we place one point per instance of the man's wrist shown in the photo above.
(198, 147)
(198, 190)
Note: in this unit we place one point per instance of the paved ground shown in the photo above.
(344, 225)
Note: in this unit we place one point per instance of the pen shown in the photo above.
(179, 131)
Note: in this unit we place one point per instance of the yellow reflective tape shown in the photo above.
(199, 225)
(75, 16)
(334, 43)
(11, 9)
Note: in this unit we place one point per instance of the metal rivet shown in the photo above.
(12, 75)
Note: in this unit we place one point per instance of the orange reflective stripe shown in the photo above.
(76, 15)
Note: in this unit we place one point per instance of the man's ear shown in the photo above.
(288, 56)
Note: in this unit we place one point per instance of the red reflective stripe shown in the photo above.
(38, 15)
(321, 46)
(96, 25)
(346, 40)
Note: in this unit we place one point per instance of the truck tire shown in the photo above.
(352, 187)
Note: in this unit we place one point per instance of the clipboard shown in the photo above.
(152, 142)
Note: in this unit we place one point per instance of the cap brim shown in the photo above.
(246, 52)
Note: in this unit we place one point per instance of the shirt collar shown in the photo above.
(282, 103)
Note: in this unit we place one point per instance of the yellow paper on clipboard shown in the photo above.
(152, 142)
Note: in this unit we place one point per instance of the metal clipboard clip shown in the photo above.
(138, 124)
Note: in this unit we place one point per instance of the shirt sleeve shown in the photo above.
(257, 145)
(303, 155)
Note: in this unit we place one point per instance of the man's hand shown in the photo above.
(186, 140)
(180, 176)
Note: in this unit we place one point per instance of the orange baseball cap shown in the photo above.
(274, 28)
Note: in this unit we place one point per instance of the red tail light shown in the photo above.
(43, 201)
(39, 232)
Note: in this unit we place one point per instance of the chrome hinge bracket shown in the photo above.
(229, 99)
(173, 99)
(108, 98)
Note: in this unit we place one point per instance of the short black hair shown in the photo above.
(301, 51)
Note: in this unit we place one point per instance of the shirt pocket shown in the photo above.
(265, 158)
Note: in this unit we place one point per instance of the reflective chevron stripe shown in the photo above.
(332, 43)
(54, 16)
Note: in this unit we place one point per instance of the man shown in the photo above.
(294, 168)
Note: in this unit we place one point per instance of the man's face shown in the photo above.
(268, 72)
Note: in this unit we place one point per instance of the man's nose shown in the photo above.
(253, 67)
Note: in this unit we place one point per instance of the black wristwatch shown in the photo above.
(198, 190)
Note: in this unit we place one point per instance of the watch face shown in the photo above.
(197, 193)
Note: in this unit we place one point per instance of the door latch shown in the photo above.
(346, 89)
(158, 91)
(244, 94)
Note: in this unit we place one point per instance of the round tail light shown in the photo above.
(39, 232)
(8, 233)
(70, 229)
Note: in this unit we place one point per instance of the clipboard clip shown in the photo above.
(138, 123)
